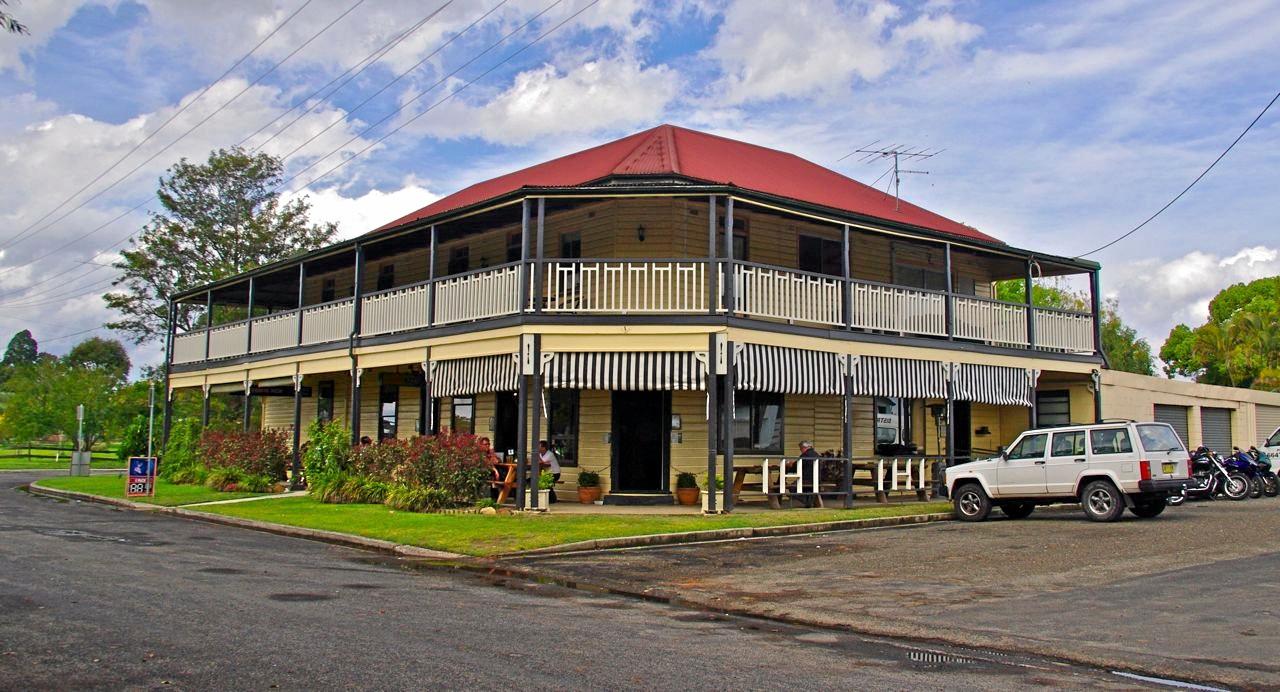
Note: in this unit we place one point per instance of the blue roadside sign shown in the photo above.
(142, 477)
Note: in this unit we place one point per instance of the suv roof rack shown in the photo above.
(1117, 420)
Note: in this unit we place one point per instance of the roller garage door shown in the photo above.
(1215, 429)
(1268, 420)
(1175, 416)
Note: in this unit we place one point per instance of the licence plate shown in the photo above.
(1168, 467)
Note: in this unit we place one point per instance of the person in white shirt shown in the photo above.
(546, 456)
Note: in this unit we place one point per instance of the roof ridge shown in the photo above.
(654, 153)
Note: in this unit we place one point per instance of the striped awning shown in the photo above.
(993, 384)
(785, 370)
(898, 377)
(465, 376)
(627, 371)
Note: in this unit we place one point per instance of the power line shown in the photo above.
(1186, 189)
(21, 234)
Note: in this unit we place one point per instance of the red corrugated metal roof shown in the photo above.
(668, 150)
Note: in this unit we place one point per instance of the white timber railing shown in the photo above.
(274, 332)
(397, 310)
(991, 321)
(478, 295)
(625, 287)
(327, 322)
(1064, 331)
(189, 347)
(784, 294)
(896, 309)
(228, 340)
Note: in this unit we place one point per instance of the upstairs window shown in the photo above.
(739, 238)
(459, 260)
(820, 255)
(514, 249)
(920, 277)
(571, 245)
(386, 276)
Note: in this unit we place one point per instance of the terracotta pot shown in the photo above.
(588, 495)
(688, 496)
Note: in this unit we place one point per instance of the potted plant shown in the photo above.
(546, 482)
(588, 486)
(717, 493)
(687, 491)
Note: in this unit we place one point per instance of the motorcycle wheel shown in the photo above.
(1255, 487)
(1236, 487)
(1270, 485)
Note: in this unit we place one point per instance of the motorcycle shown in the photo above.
(1209, 477)
(1243, 464)
(1270, 483)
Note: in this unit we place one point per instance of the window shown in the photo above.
(571, 245)
(562, 425)
(464, 415)
(514, 249)
(893, 423)
(739, 238)
(1274, 440)
(1029, 447)
(757, 423)
(821, 256)
(1068, 444)
(386, 276)
(328, 289)
(1053, 408)
(388, 403)
(919, 277)
(1110, 441)
(324, 401)
(1159, 438)
(459, 260)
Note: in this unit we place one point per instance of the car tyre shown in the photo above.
(1102, 501)
(971, 503)
(1148, 510)
(1017, 510)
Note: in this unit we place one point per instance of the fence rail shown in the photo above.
(228, 340)
(625, 287)
(897, 309)
(397, 310)
(1063, 331)
(478, 295)
(991, 321)
(189, 347)
(328, 322)
(787, 295)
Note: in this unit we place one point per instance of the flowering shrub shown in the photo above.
(424, 473)
(258, 458)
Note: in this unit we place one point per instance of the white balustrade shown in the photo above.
(787, 295)
(274, 332)
(626, 287)
(328, 322)
(228, 340)
(189, 348)
(990, 321)
(1064, 331)
(897, 309)
(398, 310)
(479, 295)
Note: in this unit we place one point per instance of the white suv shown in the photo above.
(1105, 467)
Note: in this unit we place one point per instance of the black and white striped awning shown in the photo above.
(993, 384)
(898, 377)
(640, 371)
(785, 370)
(466, 376)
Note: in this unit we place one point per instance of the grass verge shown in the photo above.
(167, 494)
(486, 535)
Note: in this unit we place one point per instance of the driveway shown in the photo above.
(1192, 594)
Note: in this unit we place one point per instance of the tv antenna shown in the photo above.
(899, 153)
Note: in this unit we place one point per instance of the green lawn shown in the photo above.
(167, 494)
(476, 534)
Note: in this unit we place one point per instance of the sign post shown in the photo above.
(80, 456)
(142, 477)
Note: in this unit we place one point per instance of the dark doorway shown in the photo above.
(641, 443)
(964, 430)
(506, 422)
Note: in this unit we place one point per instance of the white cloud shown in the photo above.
(43, 19)
(358, 215)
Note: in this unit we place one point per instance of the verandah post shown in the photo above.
(713, 268)
(431, 278)
(846, 314)
(248, 402)
(353, 415)
(204, 408)
(726, 430)
(524, 254)
(713, 412)
(302, 283)
(729, 277)
(248, 316)
(537, 265)
(1095, 304)
(522, 430)
(846, 413)
(535, 420)
(1031, 312)
(295, 475)
(948, 306)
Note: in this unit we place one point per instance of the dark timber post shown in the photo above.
(168, 366)
(248, 402)
(1031, 311)
(1097, 395)
(302, 282)
(208, 320)
(524, 258)
(947, 304)
(846, 315)
(535, 420)
(204, 408)
(728, 255)
(522, 430)
(713, 412)
(713, 276)
(726, 428)
(356, 293)
(1095, 299)
(295, 475)
(425, 400)
(431, 277)
(951, 423)
(846, 414)
(248, 325)
(537, 274)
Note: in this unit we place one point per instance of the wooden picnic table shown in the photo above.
(505, 479)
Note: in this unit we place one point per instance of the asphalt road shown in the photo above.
(1193, 594)
(95, 597)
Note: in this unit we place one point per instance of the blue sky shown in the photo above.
(1063, 124)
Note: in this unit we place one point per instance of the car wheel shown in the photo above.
(1102, 501)
(1017, 510)
(1148, 510)
(971, 503)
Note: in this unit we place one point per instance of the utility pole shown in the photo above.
(898, 153)
(151, 416)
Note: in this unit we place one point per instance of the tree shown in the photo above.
(219, 218)
(22, 350)
(9, 24)
(1238, 346)
(44, 397)
(96, 353)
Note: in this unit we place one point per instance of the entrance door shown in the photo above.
(506, 421)
(964, 430)
(641, 443)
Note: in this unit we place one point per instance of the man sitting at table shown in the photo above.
(804, 464)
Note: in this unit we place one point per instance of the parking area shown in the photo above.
(1191, 594)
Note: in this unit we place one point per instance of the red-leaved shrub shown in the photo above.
(258, 453)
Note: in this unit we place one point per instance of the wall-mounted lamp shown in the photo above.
(640, 233)
(676, 421)
(984, 430)
(492, 427)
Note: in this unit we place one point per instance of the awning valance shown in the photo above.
(466, 376)
(785, 370)
(993, 384)
(639, 371)
(898, 377)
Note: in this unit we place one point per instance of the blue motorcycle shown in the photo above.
(1270, 483)
(1243, 464)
